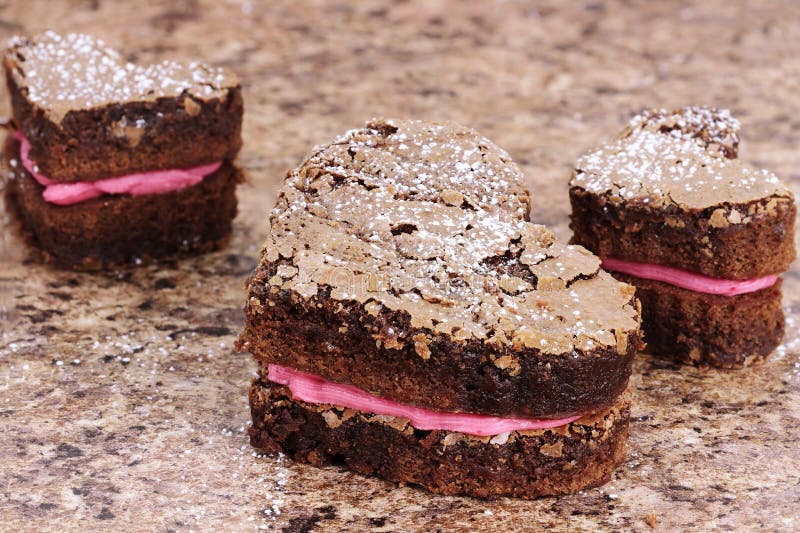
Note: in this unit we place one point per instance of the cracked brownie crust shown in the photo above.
(112, 230)
(110, 117)
(399, 260)
(670, 190)
(525, 464)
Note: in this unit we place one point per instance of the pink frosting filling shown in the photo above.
(316, 389)
(153, 182)
(689, 280)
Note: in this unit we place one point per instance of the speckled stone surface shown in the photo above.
(122, 404)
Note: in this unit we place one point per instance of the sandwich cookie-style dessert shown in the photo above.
(671, 209)
(111, 162)
(409, 323)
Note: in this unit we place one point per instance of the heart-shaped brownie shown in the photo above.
(114, 163)
(669, 206)
(400, 261)
(89, 114)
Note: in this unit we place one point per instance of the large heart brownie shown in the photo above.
(400, 260)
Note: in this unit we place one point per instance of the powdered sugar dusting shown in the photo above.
(430, 219)
(716, 129)
(687, 158)
(78, 71)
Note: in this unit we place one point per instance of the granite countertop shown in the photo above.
(122, 402)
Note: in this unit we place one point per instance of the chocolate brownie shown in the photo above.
(670, 191)
(113, 162)
(112, 230)
(400, 261)
(725, 331)
(525, 464)
(89, 114)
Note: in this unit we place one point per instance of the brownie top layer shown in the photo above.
(686, 158)
(78, 72)
(429, 219)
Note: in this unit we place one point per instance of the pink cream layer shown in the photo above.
(689, 280)
(315, 389)
(153, 182)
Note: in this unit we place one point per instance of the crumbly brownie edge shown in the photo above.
(104, 142)
(696, 328)
(337, 339)
(117, 230)
(704, 241)
(526, 465)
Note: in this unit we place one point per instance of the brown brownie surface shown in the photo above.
(690, 240)
(723, 331)
(399, 260)
(671, 190)
(117, 229)
(109, 117)
(459, 376)
(525, 464)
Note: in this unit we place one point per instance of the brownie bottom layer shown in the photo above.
(111, 230)
(723, 331)
(525, 464)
